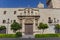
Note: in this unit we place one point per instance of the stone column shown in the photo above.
(34, 25)
(23, 26)
(38, 22)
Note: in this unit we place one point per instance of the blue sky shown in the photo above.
(20, 3)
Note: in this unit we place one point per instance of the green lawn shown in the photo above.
(46, 35)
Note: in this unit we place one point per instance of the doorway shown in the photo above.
(28, 29)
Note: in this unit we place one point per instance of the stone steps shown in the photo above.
(27, 36)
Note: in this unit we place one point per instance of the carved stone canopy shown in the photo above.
(32, 16)
(28, 21)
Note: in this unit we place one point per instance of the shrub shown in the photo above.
(57, 26)
(46, 35)
(7, 36)
(18, 34)
(2, 27)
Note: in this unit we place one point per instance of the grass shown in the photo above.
(46, 35)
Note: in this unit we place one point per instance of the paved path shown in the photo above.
(29, 38)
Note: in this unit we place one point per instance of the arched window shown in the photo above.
(49, 17)
(49, 20)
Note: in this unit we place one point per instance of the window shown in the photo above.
(24, 11)
(11, 21)
(4, 12)
(36, 20)
(31, 11)
(4, 21)
(28, 10)
(36, 24)
(58, 21)
(14, 12)
(49, 20)
(14, 20)
(8, 21)
(20, 20)
(54, 20)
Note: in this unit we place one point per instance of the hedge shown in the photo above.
(18, 34)
(7, 36)
(46, 35)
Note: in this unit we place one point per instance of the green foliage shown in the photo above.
(15, 26)
(42, 26)
(57, 26)
(46, 35)
(7, 36)
(46, 26)
(2, 27)
(18, 34)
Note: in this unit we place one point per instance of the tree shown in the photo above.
(2, 27)
(42, 26)
(57, 28)
(15, 26)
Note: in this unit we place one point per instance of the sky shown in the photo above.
(20, 3)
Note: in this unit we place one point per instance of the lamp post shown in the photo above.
(7, 26)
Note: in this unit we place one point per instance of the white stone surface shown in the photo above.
(44, 14)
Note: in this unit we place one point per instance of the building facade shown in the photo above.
(53, 3)
(30, 18)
